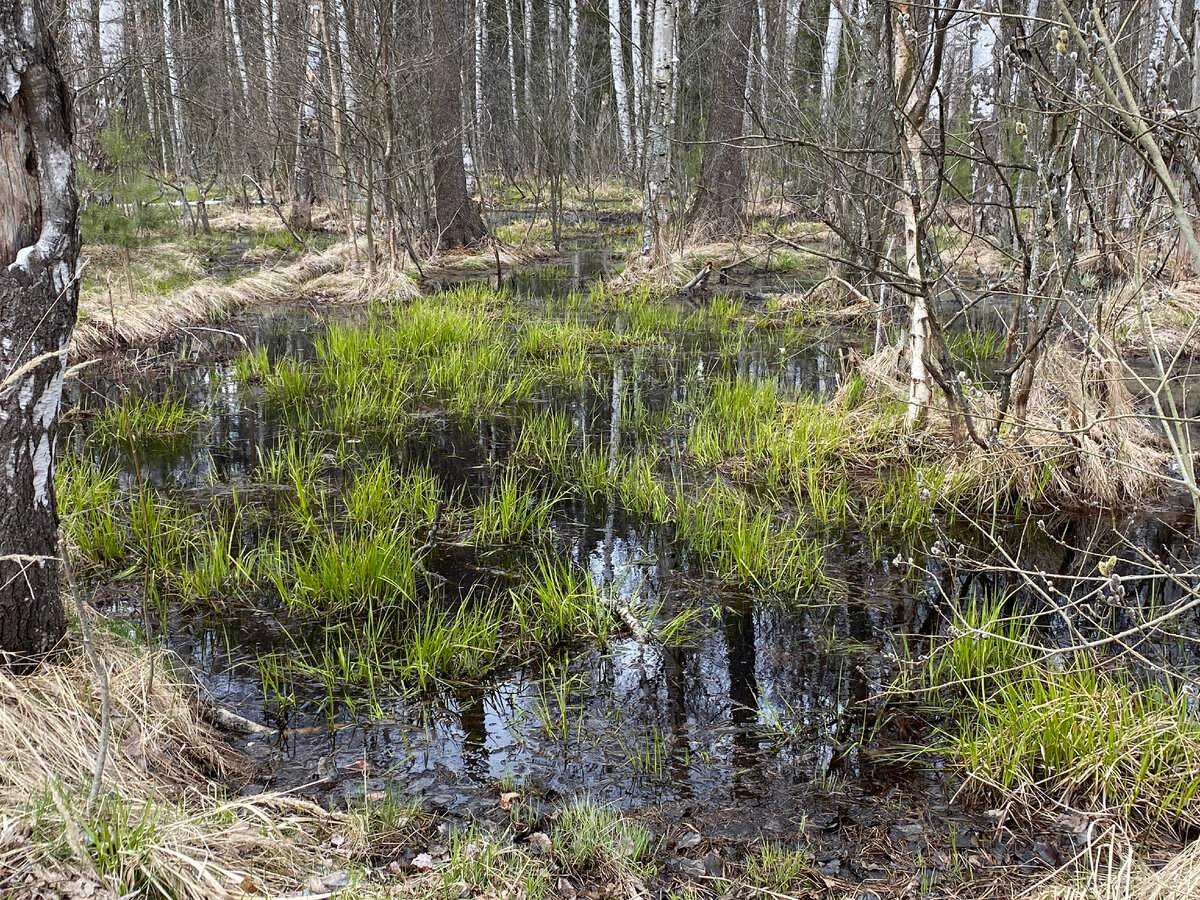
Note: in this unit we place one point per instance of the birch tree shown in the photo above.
(620, 84)
(512, 62)
(572, 73)
(656, 208)
(831, 55)
(239, 54)
(176, 101)
(39, 243)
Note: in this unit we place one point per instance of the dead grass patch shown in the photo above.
(1081, 443)
(161, 824)
(146, 318)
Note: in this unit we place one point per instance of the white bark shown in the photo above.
(176, 102)
(343, 51)
(791, 30)
(639, 73)
(912, 117)
(983, 55)
(512, 60)
(831, 56)
(764, 42)
(480, 25)
(620, 83)
(983, 93)
(572, 70)
(312, 63)
(112, 31)
(1161, 14)
(269, 20)
(658, 160)
(552, 43)
(527, 23)
(239, 56)
(1195, 52)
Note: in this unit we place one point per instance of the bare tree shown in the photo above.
(719, 204)
(457, 219)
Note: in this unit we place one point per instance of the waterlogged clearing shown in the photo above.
(490, 554)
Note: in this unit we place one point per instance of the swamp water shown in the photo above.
(415, 538)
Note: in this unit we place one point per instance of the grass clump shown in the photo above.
(772, 867)
(88, 507)
(459, 645)
(590, 835)
(557, 604)
(511, 512)
(342, 572)
(160, 424)
(1076, 733)
(490, 866)
(380, 497)
(739, 540)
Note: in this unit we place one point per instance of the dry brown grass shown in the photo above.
(1081, 443)
(1111, 869)
(146, 318)
(162, 824)
(681, 263)
(1161, 315)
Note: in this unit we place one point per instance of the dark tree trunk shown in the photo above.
(456, 218)
(39, 242)
(720, 201)
(308, 137)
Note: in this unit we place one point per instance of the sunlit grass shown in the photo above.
(1069, 732)
(135, 421)
(512, 511)
(745, 542)
(557, 603)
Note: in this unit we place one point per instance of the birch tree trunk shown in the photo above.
(337, 109)
(479, 32)
(657, 208)
(512, 62)
(345, 64)
(267, 11)
(308, 134)
(175, 100)
(456, 218)
(791, 29)
(983, 109)
(39, 243)
(620, 82)
(911, 108)
(527, 26)
(639, 76)
(1161, 13)
(572, 75)
(239, 56)
(720, 200)
(831, 56)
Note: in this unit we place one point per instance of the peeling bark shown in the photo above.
(39, 244)
(656, 209)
